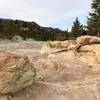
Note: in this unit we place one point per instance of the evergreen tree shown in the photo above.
(77, 28)
(93, 23)
(9, 29)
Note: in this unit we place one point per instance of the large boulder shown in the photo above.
(63, 66)
(16, 73)
(86, 40)
(90, 54)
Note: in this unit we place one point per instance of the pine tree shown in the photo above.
(77, 28)
(9, 29)
(93, 23)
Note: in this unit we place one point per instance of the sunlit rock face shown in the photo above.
(66, 75)
(58, 44)
(15, 73)
(86, 40)
(64, 66)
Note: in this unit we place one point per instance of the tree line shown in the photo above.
(93, 22)
(10, 28)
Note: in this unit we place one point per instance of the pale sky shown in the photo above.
(50, 13)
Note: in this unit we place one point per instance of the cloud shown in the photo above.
(45, 12)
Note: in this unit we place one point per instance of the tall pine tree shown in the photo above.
(77, 28)
(93, 23)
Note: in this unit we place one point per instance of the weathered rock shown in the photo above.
(55, 46)
(90, 54)
(62, 66)
(71, 47)
(86, 40)
(97, 57)
(67, 75)
(58, 44)
(4, 97)
(15, 73)
(60, 91)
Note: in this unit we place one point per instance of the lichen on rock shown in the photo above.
(15, 73)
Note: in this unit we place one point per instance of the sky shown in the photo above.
(47, 13)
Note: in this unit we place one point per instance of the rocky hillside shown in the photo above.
(59, 72)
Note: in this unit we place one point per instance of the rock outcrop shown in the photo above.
(87, 40)
(67, 75)
(58, 44)
(59, 91)
(15, 73)
(64, 66)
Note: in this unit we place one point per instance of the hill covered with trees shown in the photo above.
(10, 28)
